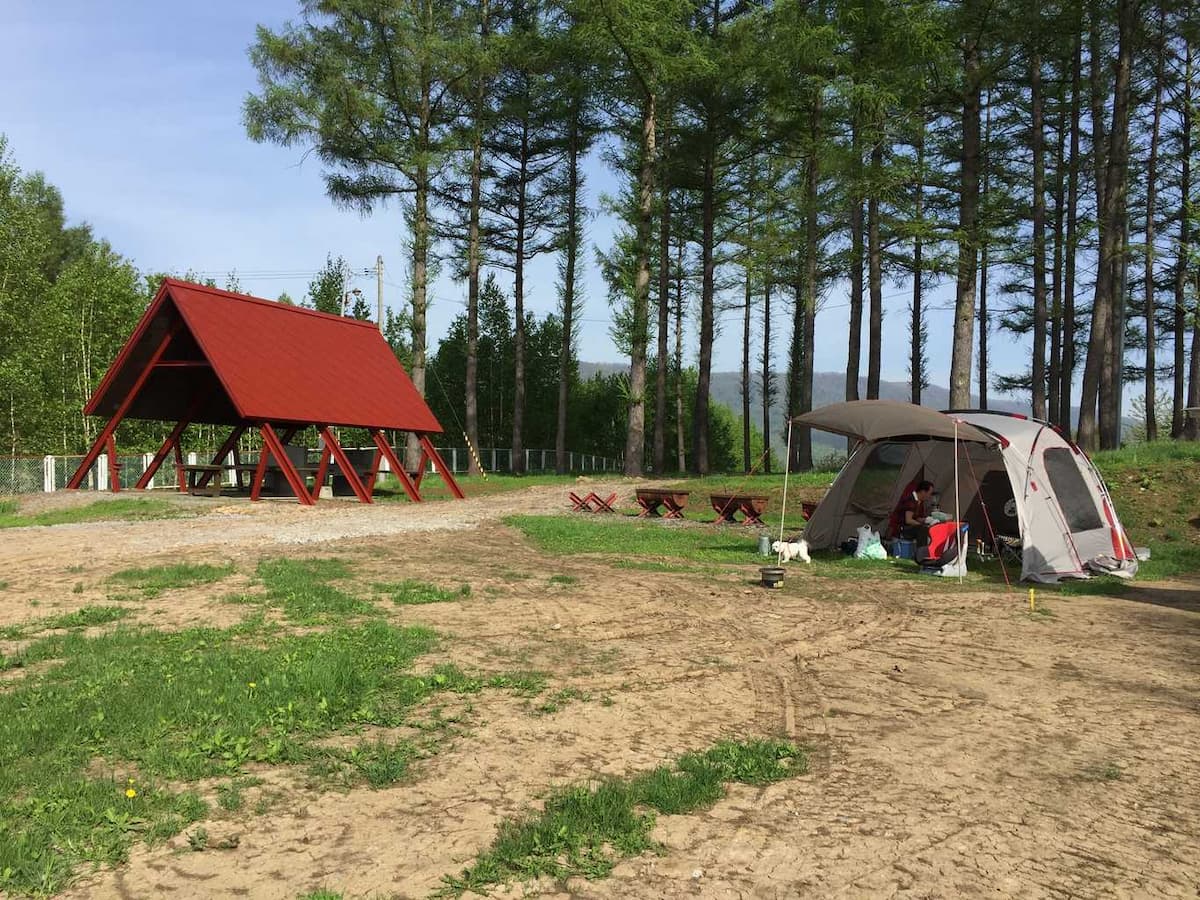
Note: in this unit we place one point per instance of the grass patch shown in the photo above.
(3, 585)
(154, 580)
(432, 487)
(303, 589)
(411, 592)
(584, 829)
(80, 618)
(322, 894)
(625, 538)
(158, 707)
(100, 511)
(563, 579)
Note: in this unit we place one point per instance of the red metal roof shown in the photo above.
(266, 361)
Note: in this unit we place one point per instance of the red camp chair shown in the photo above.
(945, 541)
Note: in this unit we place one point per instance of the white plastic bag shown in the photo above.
(869, 544)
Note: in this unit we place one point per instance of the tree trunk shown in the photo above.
(1099, 374)
(707, 299)
(874, 277)
(964, 294)
(420, 252)
(767, 379)
(1150, 394)
(1191, 427)
(1067, 371)
(746, 462)
(916, 329)
(664, 308)
(854, 354)
(680, 441)
(561, 458)
(1184, 249)
(635, 438)
(1037, 143)
(1054, 375)
(806, 299)
(473, 258)
(517, 455)
(985, 323)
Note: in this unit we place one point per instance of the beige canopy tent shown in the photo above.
(1012, 479)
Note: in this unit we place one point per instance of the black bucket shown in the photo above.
(772, 576)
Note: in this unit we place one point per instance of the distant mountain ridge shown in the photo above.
(828, 387)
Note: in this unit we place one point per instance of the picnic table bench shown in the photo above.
(751, 506)
(592, 502)
(210, 487)
(672, 503)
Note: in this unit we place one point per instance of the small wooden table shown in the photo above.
(672, 503)
(593, 502)
(751, 506)
(213, 486)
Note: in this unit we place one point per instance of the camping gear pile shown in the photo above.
(1014, 482)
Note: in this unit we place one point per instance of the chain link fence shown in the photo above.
(36, 474)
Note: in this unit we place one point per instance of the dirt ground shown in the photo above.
(960, 745)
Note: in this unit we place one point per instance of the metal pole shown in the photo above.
(957, 520)
(379, 288)
(787, 465)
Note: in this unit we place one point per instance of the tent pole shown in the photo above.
(962, 552)
(787, 465)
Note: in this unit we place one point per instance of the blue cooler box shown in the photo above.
(903, 549)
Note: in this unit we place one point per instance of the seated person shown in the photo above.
(909, 518)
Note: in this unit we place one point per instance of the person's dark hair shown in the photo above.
(923, 486)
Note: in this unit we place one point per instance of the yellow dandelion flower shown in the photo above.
(130, 793)
(252, 685)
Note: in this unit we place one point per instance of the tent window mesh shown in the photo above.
(876, 481)
(1074, 496)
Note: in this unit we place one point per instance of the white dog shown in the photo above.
(789, 550)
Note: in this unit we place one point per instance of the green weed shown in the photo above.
(154, 580)
(302, 589)
(322, 894)
(563, 579)
(100, 511)
(411, 593)
(198, 839)
(81, 618)
(583, 829)
(177, 707)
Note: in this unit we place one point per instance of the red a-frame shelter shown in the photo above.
(201, 355)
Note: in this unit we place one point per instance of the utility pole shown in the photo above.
(379, 288)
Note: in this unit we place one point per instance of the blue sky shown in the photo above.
(133, 109)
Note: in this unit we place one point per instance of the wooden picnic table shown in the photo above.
(593, 502)
(671, 502)
(751, 506)
(195, 473)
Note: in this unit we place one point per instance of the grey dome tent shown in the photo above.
(1014, 480)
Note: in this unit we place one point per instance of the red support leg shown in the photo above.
(419, 475)
(161, 456)
(179, 473)
(114, 466)
(343, 462)
(322, 471)
(226, 448)
(271, 439)
(442, 469)
(110, 428)
(260, 472)
(373, 475)
(409, 488)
